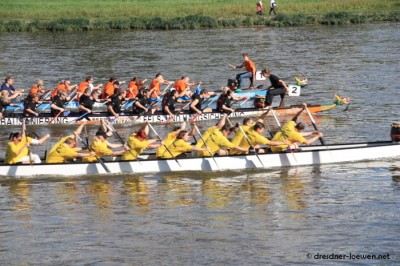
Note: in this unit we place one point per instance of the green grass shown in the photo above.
(32, 15)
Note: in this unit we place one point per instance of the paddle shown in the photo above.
(55, 117)
(26, 139)
(208, 149)
(165, 146)
(248, 141)
(44, 96)
(169, 85)
(76, 119)
(194, 118)
(99, 160)
(315, 127)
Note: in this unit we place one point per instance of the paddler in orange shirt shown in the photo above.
(183, 85)
(64, 86)
(133, 87)
(88, 83)
(109, 88)
(37, 88)
(250, 71)
(156, 85)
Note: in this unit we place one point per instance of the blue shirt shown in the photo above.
(8, 88)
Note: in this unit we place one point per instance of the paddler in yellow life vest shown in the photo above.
(255, 138)
(292, 133)
(66, 149)
(18, 148)
(100, 146)
(209, 130)
(248, 122)
(218, 143)
(179, 146)
(171, 137)
(138, 142)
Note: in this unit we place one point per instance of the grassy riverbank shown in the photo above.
(53, 15)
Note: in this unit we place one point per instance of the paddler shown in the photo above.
(138, 142)
(197, 101)
(291, 132)
(218, 143)
(64, 85)
(155, 86)
(171, 137)
(255, 138)
(133, 88)
(100, 146)
(66, 149)
(88, 83)
(183, 87)
(18, 148)
(114, 106)
(179, 146)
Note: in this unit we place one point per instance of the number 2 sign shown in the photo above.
(294, 90)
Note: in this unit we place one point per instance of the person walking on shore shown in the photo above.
(259, 8)
(272, 7)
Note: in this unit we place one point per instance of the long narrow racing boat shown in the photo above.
(71, 118)
(310, 155)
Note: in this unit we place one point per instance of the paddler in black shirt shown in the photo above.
(86, 102)
(114, 106)
(143, 103)
(58, 102)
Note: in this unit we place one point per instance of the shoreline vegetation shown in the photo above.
(85, 15)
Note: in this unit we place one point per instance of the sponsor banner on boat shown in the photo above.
(17, 121)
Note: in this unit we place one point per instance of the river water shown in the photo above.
(277, 216)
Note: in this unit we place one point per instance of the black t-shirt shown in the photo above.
(116, 104)
(59, 103)
(143, 101)
(223, 100)
(169, 101)
(199, 103)
(86, 101)
(275, 81)
(29, 105)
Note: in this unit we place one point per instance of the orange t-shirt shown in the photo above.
(82, 87)
(59, 87)
(180, 85)
(108, 89)
(156, 86)
(34, 90)
(132, 90)
(250, 66)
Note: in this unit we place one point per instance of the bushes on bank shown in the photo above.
(193, 22)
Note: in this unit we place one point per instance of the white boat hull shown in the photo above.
(315, 155)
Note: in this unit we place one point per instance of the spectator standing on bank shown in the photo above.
(259, 8)
(272, 7)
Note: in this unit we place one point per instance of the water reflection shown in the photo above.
(20, 192)
(293, 189)
(395, 172)
(99, 192)
(177, 190)
(69, 192)
(138, 191)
